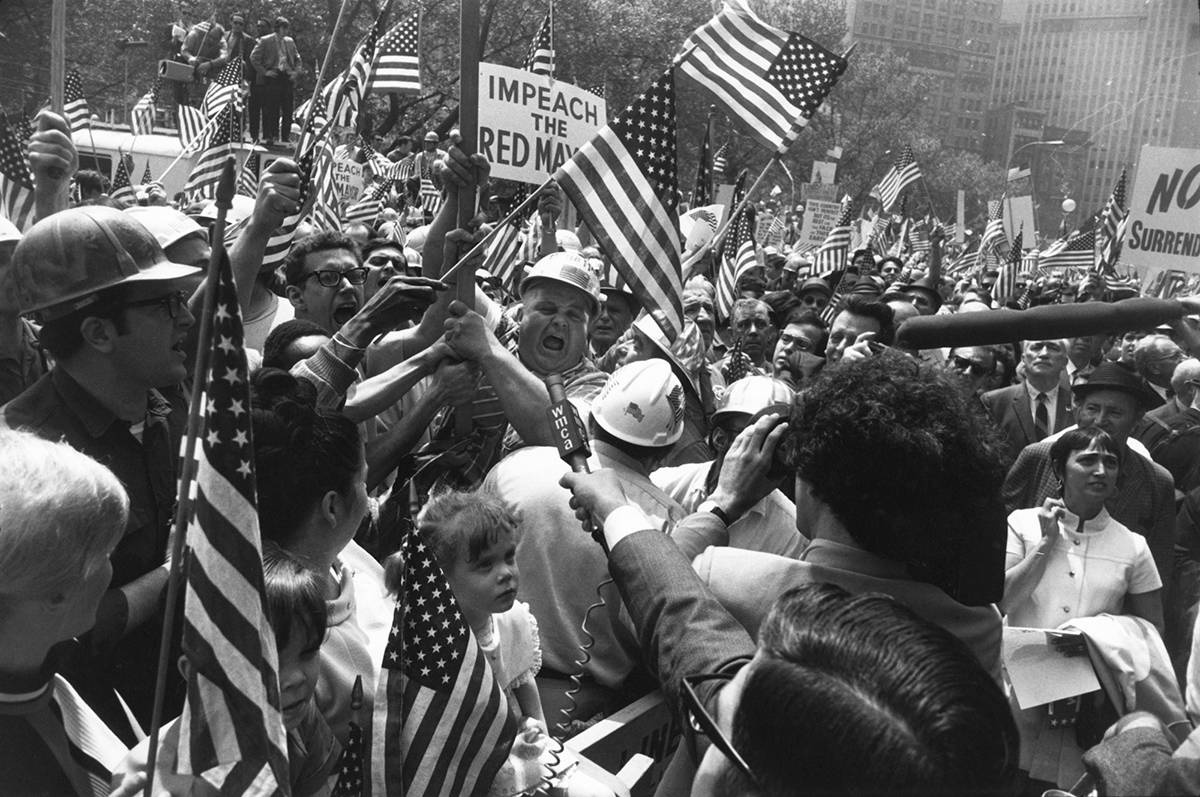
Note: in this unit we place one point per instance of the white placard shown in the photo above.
(348, 177)
(1164, 211)
(529, 125)
(819, 218)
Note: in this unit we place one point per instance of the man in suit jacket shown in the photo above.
(1015, 408)
(277, 63)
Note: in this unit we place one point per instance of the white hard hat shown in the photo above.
(566, 268)
(567, 240)
(642, 403)
(753, 394)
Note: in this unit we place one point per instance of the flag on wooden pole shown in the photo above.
(397, 65)
(741, 245)
(16, 182)
(141, 119)
(75, 106)
(904, 172)
(540, 58)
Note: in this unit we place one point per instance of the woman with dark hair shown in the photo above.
(1069, 558)
(311, 472)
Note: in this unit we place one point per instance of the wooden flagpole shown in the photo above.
(58, 51)
(468, 131)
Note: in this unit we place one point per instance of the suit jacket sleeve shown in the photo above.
(682, 628)
(1020, 482)
(260, 56)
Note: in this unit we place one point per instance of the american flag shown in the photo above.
(624, 185)
(901, 244)
(904, 172)
(225, 88)
(231, 732)
(702, 193)
(1006, 280)
(24, 129)
(75, 106)
(191, 128)
(1111, 230)
(504, 254)
(771, 79)
(327, 204)
(965, 261)
(1074, 252)
(836, 247)
(250, 174)
(919, 235)
(369, 204)
(16, 182)
(598, 89)
(397, 67)
(147, 176)
(447, 727)
(346, 91)
(993, 231)
(202, 182)
(141, 118)
(121, 189)
(844, 286)
(741, 245)
(540, 58)
(726, 248)
(281, 240)
(719, 162)
(351, 776)
(431, 196)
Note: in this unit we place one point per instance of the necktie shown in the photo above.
(1041, 417)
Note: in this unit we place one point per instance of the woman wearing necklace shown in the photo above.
(1069, 558)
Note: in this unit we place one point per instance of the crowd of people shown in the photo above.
(808, 536)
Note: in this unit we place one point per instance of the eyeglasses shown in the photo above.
(800, 342)
(977, 369)
(697, 720)
(331, 277)
(382, 260)
(174, 302)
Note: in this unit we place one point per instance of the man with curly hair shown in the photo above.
(898, 487)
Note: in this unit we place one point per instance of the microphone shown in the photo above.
(571, 440)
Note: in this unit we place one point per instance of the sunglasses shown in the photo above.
(174, 302)
(963, 364)
(697, 720)
(331, 277)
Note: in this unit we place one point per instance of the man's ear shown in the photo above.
(296, 297)
(330, 506)
(99, 333)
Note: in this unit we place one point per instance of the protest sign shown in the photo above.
(529, 125)
(1164, 210)
(348, 177)
(819, 218)
(828, 192)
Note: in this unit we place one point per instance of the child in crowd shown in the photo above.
(473, 536)
(296, 610)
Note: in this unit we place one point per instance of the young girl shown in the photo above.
(473, 536)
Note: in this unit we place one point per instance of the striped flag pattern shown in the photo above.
(702, 192)
(1111, 229)
(993, 231)
(225, 136)
(504, 254)
(397, 65)
(141, 118)
(122, 190)
(369, 204)
(16, 183)
(726, 248)
(431, 197)
(624, 184)
(191, 128)
(249, 176)
(904, 172)
(769, 78)
(741, 245)
(1006, 280)
(719, 162)
(281, 240)
(231, 732)
(147, 176)
(75, 106)
(1074, 252)
(223, 89)
(540, 58)
(836, 247)
(447, 727)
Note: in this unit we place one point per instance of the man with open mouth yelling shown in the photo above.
(325, 277)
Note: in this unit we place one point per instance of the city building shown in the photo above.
(953, 42)
(1118, 73)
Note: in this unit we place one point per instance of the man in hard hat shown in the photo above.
(115, 317)
(632, 423)
(768, 526)
(560, 295)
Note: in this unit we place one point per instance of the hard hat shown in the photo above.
(642, 403)
(167, 225)
(432, 136)
(567, 240)
(8, 231)
(815, 284)
(567, 268)
(66, 258)
(752, 394)
(242, 206)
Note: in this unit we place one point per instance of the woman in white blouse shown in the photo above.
(1069, 558)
